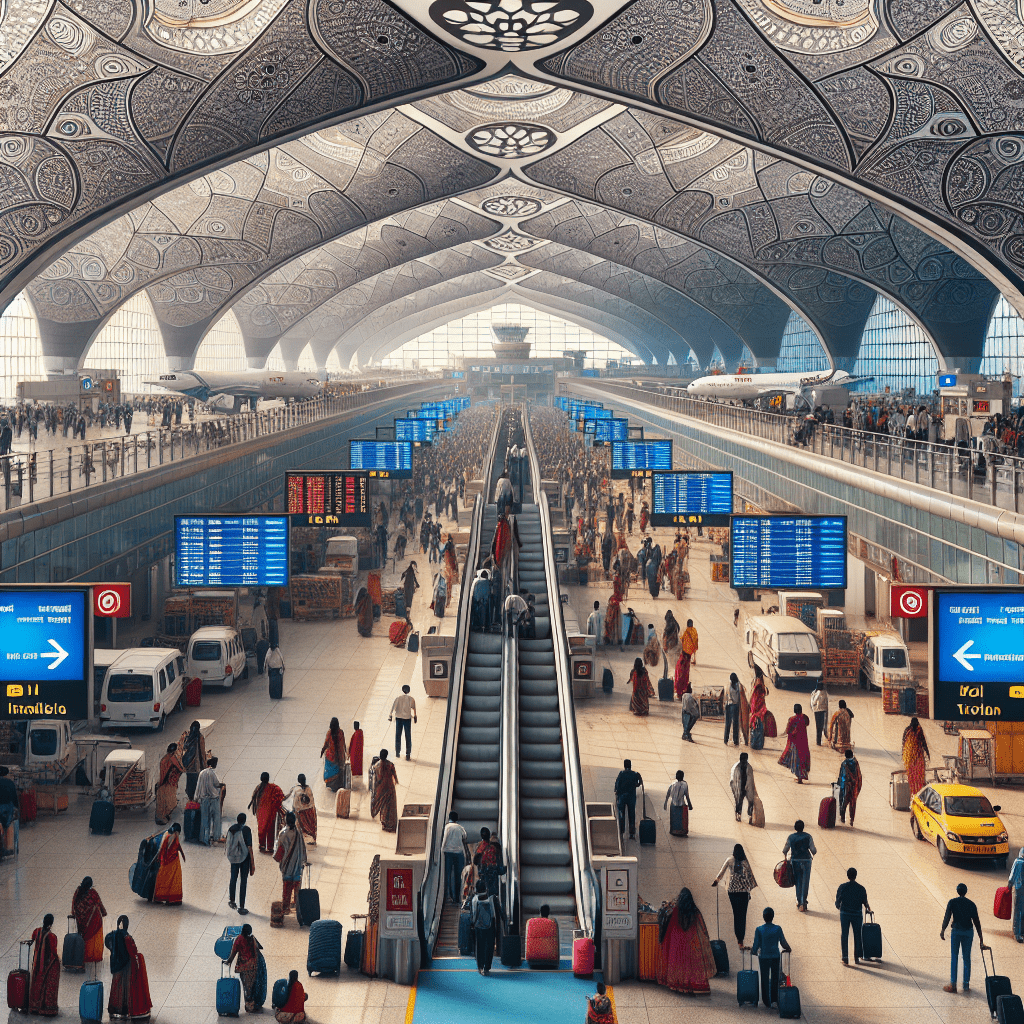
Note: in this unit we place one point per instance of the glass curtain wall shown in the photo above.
(131, 343)
(895, 353)
(1004, 344)
(223, 348)
(801, 351)
(21, 350)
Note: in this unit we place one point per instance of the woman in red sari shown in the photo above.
(758, 707)
(355, 751)
(640, 702)
(385, 796)
(45, 976)
(686, 958)
(915, 755)
(129, 983)
(171, 771)
(333, 752)
(89, 912)
(167, 888)
(266, 802)
(797, 755)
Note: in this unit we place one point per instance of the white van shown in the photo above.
(784, 648)
(142, 688)
(216, 654)
(102, 659)
(884, 659)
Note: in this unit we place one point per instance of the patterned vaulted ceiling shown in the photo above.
(707, 164)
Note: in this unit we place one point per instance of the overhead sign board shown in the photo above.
(46, 654)
(112, 600)
(329, 498)
(977, 655)
(231, 551)
(947, 380)
(418, 429)
(689, 498)
(788, 552)
(383, 459)
(640, 458)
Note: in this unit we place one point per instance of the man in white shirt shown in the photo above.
(403, 711)
(208, 790)
(678, 792)
(275, 671)
(595, 624)
(819, 705)
(455, 847)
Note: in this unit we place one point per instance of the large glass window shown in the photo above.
(470, 338)
(895, 353)
(333, 362)
(275, 361)
(1004, 344)
(307, 361)
(21, 351)
(223, 348)
(801, 351)
(131, 344)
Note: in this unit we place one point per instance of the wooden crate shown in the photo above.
(922, 704)
(719, 572)
(316, 597)
(891, 700)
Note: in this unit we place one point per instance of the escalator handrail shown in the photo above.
(508, 810)
(587, 889)
(432, 888)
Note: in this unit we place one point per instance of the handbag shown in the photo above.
(784, 875)
(279, 855)
(771, 730)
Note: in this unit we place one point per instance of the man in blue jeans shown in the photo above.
(733, 695)
(851, 896)
(964, 915)
(768, 938)
(626, 784)
(801, 847)
(455, 847)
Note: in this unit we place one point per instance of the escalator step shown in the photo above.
(542, 829)
(544, 809)
(542, 789)
(544, 853)
(541, 769)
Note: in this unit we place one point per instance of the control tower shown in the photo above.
(511, 341)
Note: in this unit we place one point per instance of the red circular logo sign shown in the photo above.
(911, 602)
(108, 601)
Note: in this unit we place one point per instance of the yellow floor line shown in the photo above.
(410, 1008)
(609, 991)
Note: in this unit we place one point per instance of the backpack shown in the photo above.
(236, 850)
(483, 913)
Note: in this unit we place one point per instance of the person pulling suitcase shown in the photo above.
(851, 896)
(275, 672)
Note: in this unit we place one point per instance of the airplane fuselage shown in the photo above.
(748, 386)
(254, 384)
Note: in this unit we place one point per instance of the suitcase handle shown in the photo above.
(992, 956)
(71, 917)
(225, 971)
(871, 915)
(26, 945)
(786, 967)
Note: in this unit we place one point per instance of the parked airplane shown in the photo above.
(216, 385)
(748, 386)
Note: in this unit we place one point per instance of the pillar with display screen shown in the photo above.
(619, 879)
(398, 956)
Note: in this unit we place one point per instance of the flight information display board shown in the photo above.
(683, 497)
(383, 459)
(408, 429)
(640, 458)
(607, 430)
(329, 498)
(231, 551)
(788, 552)
(579, 411)
(977, 664)
(44, 664)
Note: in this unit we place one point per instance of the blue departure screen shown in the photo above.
(407, 429)
(788, 551)
(382, 458)
(607, 430)
(580, 411)
(640, 458)
(687, 497)
(231, 551)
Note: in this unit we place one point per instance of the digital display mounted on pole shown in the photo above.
(788, 552)
(977, 657)
(45, 659)
(422, 430)
(382, 459)
(329, 498)
(640, 458)
(691, 498)
(605, 430)
(231, 551)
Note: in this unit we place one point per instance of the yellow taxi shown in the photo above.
(960, 821)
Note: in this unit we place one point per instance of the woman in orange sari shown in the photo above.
(266, 802)
(613, 616)
(167, 888)
(45, 975)
(333, 753)
(171, 770)
(797, 754)
(640, 702)
(686, 958)
(129, 983)
(89, 912)
(915, 755)
(385, 797)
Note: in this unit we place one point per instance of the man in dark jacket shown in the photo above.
(851, 896)
(626, 784)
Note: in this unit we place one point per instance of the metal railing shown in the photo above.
(432, 889)
(588, 892)
(27, 477)
(992, 478)
(508, 807)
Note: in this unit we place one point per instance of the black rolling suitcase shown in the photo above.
(607, 681)
(512, 950)
(1009, 1010)
(466, 942)
(307, 902)
(789, 994)
(666, 689)
(718, 948)
(73, 954)
(996, 985)
(276, 683)
(354, 948)
(192, 820)
(871, 939)
(400, 609)
(747, 983)
(647, 829)
(101, 818)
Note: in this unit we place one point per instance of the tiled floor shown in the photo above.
(907, 884)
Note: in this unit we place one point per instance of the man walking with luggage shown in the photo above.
(851, 896)
(733, 693)
(679, 794)
(691, 712)
(768, 937)
(403, 711)
(801, 847)
(208, 794)
(238, 850)
(964, 915)
(626, 784)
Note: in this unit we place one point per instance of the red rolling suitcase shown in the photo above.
(583, 957)
(27, 806)
(679, 820)
(1002, 906)
(17, 980)
(827, 810)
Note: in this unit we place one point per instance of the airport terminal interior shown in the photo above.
(427, 425)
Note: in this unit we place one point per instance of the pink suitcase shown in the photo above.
(583, 957)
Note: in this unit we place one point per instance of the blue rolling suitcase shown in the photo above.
(90, 1001)
(324, 955)
(466, 946)
(747, 982)
(354, 949)
(789, 994)
(1009, 1010)
(229, 994)
(412, 644)
(222, 947)
(279, 994)
(400, 609)
(101, 818)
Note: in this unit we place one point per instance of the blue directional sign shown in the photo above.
(383, 459)
(947, 380)
(978, 654)
(44, 659)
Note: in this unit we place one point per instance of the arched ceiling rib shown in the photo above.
(918, 104)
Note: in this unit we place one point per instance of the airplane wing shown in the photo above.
(783, 389)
